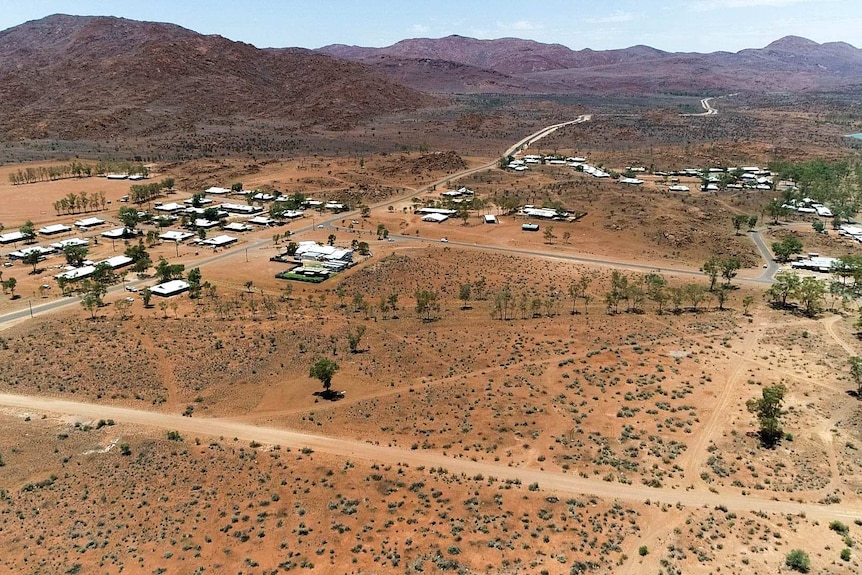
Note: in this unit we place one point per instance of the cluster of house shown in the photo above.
(850, 231)
(317, 260)
(808, 206)
(531, 211)
(814, 263)
(89, 267)
(522, 164)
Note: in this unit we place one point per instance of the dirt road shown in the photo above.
(552, 481)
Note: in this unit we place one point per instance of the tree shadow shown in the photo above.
(329, 394)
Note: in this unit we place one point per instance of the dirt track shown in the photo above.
(384, 454)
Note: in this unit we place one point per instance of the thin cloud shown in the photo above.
(615, 17)
(519, 26)
(709, 5)
(420, 29)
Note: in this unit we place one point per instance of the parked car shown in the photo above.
(444, 240)
(131, 289)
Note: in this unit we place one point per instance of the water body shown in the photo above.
(857, 136)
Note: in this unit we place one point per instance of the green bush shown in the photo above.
(845, 554)
(798, 560)
(839, 527)
(643, 551)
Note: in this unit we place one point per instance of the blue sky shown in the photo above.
(675, 25)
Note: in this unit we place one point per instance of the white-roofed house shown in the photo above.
(175, 236)
(116, 262)
(436, 218)
(219, 241)
(237, 227)
(170, 288)
(216, 191)
(70, 242)
(54, 229)
(89, 222)
(12, 237)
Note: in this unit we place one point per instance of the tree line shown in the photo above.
(76, 203)
(33, 174)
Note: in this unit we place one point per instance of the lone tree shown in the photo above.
(32, 259)
(739, 220)
(712, 267)
(354, 336)
(464, 295)
(856, 373)
(786, 248)
(767, 409)
(323, 369)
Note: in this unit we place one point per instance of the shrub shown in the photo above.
(845, 554)
(643, 551)
(839, 527)
(175, 436)
(798, 560)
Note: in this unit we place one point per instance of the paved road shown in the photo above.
(553, 481)
(772, 267)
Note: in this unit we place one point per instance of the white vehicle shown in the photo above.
(131, 289)
(444, 240)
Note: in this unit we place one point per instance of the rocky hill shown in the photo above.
(789, 64)
(75, 77)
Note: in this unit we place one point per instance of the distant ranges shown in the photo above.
(84, 77)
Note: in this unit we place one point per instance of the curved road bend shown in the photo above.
(351, 448)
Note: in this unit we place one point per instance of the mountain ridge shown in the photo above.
(790, 63)
(94, 76)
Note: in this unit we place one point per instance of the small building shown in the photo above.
(169, 207)
(309, 250)
(73, 274)
(219, 241)
(117, 262)
(263, 197)
(814, 263)
(678, 188)
(12, 237)
(530, 227)
(631, 181)
(175, 236)
(436, 218)
(24, 252)
(89, 223)
(265, 221)
(200, 201)
(70, 242)
(241, 208)
(237, 227)
(443, 211)
(216, 191)
(120, 233)
(204, 224)
(117, 176)
(171, 288)
(546, 213)
(490, 219)
(54, 229)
